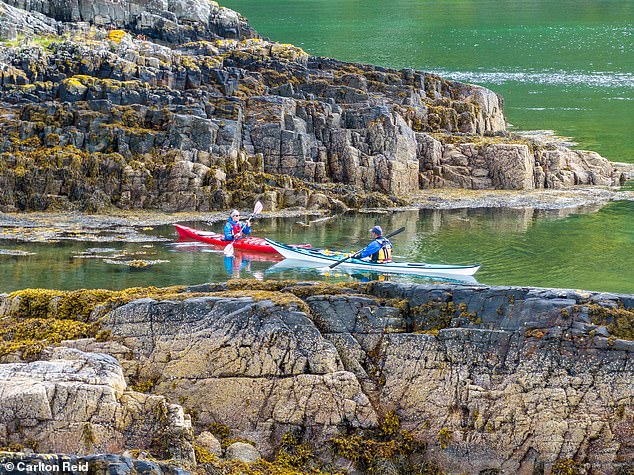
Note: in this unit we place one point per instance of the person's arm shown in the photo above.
(228, 232)
(371, 248)
(246, 228)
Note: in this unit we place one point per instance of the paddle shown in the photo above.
(257, 209)
(394, 233)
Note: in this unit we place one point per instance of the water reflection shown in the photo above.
(236, 266)
(571, 248)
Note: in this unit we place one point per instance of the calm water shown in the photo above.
(586, 249)
(566, 66)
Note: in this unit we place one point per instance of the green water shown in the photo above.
(566, 66)
(586, 249)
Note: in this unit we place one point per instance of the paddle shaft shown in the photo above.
(256, 210)
(393, 233)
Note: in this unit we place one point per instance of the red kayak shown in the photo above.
(247, 244)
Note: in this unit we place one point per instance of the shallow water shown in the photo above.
(566, 66)
(585, 248)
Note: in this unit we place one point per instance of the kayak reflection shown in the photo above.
(318, 269)
(188, 246)
(236, 265)
(241, 263)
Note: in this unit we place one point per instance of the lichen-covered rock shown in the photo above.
(511, 164)
(242, 452)
(175, 22)
(149, 118)
(283, 371)
(211, 444)
(77, 402)
(487, 378)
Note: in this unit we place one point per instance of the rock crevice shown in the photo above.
(487, 378)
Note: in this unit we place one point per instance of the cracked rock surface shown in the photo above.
(512, 378)
(76, 402)
(200, 113)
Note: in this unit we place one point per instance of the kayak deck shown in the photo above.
(329, 257)
(248, 243)
(318, 269)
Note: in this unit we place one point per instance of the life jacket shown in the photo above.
(232, 229)
(236, 228)
(384, 254)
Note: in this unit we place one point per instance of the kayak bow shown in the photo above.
(247, 244)
(328, 257)
(253, 244)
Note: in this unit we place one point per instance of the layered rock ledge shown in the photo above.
(381, 377)
(185, 107)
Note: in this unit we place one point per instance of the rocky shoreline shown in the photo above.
(52, 226)
(375, 378)
(119, 115)
(187, 109)
(132, 225)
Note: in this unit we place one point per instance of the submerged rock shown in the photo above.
(135, 263)
(15, 252)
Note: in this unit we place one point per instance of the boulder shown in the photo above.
(208, 442)
(242, 452)
(77, 402)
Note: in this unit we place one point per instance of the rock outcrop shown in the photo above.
(208, 115)
(78, 403)
(169, 21)
(486, 379)
(101, 464)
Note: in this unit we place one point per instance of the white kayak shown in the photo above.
(340, 271)
(327, 258)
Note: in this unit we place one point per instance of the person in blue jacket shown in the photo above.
(234, 229)
(379, 250)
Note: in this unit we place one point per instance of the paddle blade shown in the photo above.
(257, 209)
(228, 250)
